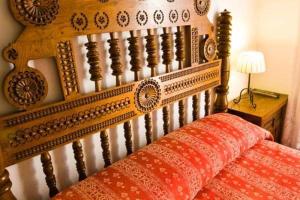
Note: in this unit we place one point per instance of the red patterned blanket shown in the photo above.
(213, 152)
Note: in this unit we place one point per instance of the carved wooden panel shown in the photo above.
(32, 132)
(67, 68)
(45, 37)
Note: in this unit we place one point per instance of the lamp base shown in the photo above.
(249, 94)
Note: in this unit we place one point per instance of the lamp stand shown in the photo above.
(249, 94)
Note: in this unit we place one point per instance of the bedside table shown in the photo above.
(269, 114)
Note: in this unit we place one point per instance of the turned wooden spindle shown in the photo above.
(180, 57)
(207, 102)
(105, 148)
(115, 56)
(152, 59)
(135, 62)
(5, 182)
(116, 66)
(223, 39)
(80, 165)
(167, 57)
(96, 76)
(195, 106)
(152, 51)
(48, 171)
(94, 62)
(5, 186)
(134, 52)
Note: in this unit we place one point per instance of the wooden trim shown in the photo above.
(51, 126)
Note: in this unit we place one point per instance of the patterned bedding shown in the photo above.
(218, 157)
(266, 171)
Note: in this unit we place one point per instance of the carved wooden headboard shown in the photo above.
(50, 26)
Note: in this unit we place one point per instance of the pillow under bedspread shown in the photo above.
(266, 171)
(176, 166)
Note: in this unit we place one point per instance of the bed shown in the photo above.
(217, 157)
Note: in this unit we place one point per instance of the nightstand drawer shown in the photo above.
(270, 121)
(269, 113)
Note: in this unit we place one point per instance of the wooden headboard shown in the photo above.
(50, 26)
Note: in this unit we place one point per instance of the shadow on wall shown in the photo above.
(28, 182)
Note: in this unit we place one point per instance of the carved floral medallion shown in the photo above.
(38, 12)
(210, 49)
(201, 6)
(26, 89)
(147, 95)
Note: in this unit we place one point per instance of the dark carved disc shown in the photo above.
(202, 6)
(147, 95)
(38, 12)
(25, 89)
(209, 49)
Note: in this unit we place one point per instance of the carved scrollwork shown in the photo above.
(38, 12)
(79, 21)
(201, 6)
(147, 95)
(209, 49)
(101, 20)
(123, 18)
(158, 16)
(173, 16)
(11, 54)
(195, 45)
(25, 89)
(142, 18)
(186, 15)
(50, 127)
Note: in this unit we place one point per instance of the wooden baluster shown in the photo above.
(135, 62)
(135, 54)
(5, 182)
(223, 37)
(96, 76)
(152, 59)
(207, 102)
(5, 187)
(105, 148)
(48, 171)
(80, 165)
(180, 57)
(167, 61)
(115, 56)
(195, 107)
(116, 66)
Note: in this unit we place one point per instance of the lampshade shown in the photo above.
(251, 62)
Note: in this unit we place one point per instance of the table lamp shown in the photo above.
(250, 62)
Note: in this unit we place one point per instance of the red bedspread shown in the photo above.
(266, 171)
(179, 165)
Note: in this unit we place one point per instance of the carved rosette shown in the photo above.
(209, 49)
(147, 96)
(25, 89)
(201, 6)
(37, 12)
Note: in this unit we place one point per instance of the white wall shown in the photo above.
(27, 177)
(278, 33)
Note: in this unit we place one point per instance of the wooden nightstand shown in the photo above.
(269, 114)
